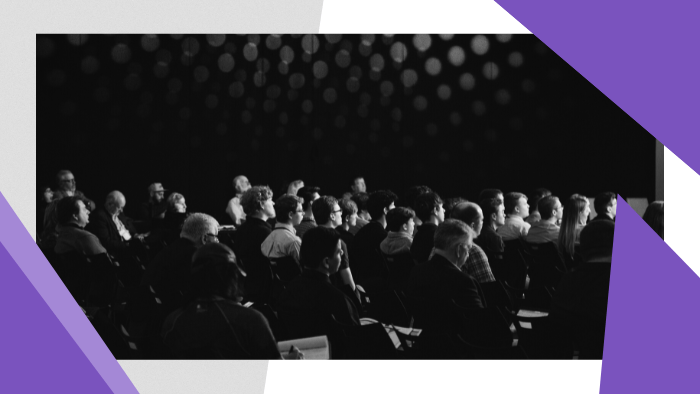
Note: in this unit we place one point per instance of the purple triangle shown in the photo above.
(642, 55)
(651, 333)
(38, 355)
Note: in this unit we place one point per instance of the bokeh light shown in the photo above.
(422, 42)
(409, 77)
(161, 69)
(259, 79)
(503, 37)
(297, 80)
(515, 59)
(433, 66)
(201, 74)
(330, 95)
(420, 103)
(503, 96)
(353, 84)
(444, 92)
(480, 44)
(273, 92)
(479, 108)
(446, 37)
(190, 46)
(376, 62)
(456, 56)
(387, 88)
(287, 54)
(236, 89)
(121, 53)
(455, 118)
(310, 43)
(490, 70)
(77, 39)
(334, 38)
(216, 40)
(150, 42)
(398, 52)
(467, 81)
(90, 65)
(226, 62)
(250, 52)
(342, 58)
(273, 41)
(320, 69)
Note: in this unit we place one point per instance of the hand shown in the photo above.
(294, 354)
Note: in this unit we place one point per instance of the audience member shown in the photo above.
(605, 205)
(576, 213)
(517, 210)
(327, 213)
(67, 188)
(363, 216)
(175, 214)
(410, 201)
(494, 217)
(579, 306)
(72, 216)
(283, 241)
(490, 193)
(451, 203)
(442, 278)
(430, 211)
(234, 209)
(546, 230)
(368, 263)
(534, 199)
(309, 194)
(349, 219)
(112, 227)
(358, 185)
(153, 211)
(294, 187)
(654, 216)
(44, 198)
(399, 223)
(477, 264)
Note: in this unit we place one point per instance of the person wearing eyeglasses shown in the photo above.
(546, 230)
(234, 208)
(328, 214)
(114, 229)
(67, 187)
(283, 241)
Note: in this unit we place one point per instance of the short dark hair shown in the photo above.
(360, 199)
(322, 209)
(215, 272)
(511, 201)
(285, 205)
(307, 193)
(654, 216)
(449, 231)
(66, 208)
(348, 206)
(602, 201)
(452, 202)
(378, 201)
(489, 193)
(251, 199)
(317, 244)
(537, 195)
(397, 217)
(546, 205)
(489, 207)
(425, 204)
(413, 192)
(466, 212)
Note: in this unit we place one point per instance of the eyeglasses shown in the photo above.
(340, 210)
(67, 180)
(214, 237)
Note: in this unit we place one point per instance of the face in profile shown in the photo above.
(523, 208)
(48, 194)
(440, 213)
(67, 182)
(242, 185)
(269, 208)
(180, 206)
(159, 196)
(478, 222)
(298, 215)
(410, 226)
(83, 216)
(334, 261)
(583, 215)
(359, 186)
(501, 215)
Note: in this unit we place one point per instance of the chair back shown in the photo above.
(286, 268)
(399, 267)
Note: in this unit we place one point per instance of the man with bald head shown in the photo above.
(234, 209)
(477, 264)
(114, 230)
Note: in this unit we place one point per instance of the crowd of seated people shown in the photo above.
(294, 267)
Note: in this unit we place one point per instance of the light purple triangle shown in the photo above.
(643, 55)
(651, 334)
(49, 345)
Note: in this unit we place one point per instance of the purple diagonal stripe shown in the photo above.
(651, 339)
(51, 343)
(643, 55)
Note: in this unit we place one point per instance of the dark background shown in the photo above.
(193, 111)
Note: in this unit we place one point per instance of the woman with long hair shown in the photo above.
(575, 215)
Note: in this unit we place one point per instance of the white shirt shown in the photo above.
(514, 228)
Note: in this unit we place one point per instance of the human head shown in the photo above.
(400, 219)
(516, 205)
(490, 193)
(358, 185)
(550, 207)
(606, 204)
(321, 250)
(176, 203)
(288, 209)
(294, 187)
(361, 200)
(45, 194)
(597, 240)
(349, 211)
(200, 228)
(654, 216)
(451, 203)
(72, 210)
(429, 204)
(380, 202)
(241, 184)
(258, 200)
(413, 192)
(327, 211)
(309, 194)
(453, 239)
(471, 214)
(576, 208)
(493, 211)
(215, 272)
(536, 196)
(156, 192)
(115, 203)
(66, 181)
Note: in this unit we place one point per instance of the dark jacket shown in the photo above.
(423, 242)
(102, 225)
(366, 258)
(439, 279)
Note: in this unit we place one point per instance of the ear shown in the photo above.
(386, 210)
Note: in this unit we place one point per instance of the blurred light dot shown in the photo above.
(490, 70)
(330, 95)
(216, 40)
(384, 101)
(250, 52)
(283, 68)
(455, 118)
(365, 99)
(174, 85)
(296, 80)
(254, 39)
(287, 54)
(409, 78)
(236, 90)
(176, 36)
(422, 42)
(150, 42)
(503, 37)
(356, 72)
(334, 38)
(292, 94)
(353, 84)
(376, 62)
(342, 58)
(387, 88)
(420, 103)
(447, 37)
(478, 107)
(467, 81)
(398, 52)
(375, 75)
(121, 53)
(77, 39)
(365, 50)
(190, 46)
(57, 78)
(528, 86)
(362, 111)
(320, 69)
(45, 47)
(515, 59)
(480, 44)
(431, 129)
(250, 103)
(433, 66)
(367, 39)
(161, 70)
(226, 62)
(340, 121)
(269, 106)
(132, 82)
(310, 43)
(444, 92)
(246, 116)
(273, 41)
(164, 56)
(90, 65)
(456, 56)
(211, 101)
(307, 106)
(263, 65)
(273, 92)
(259, 79)
(396, 114)
(201, 74)
(306, 57)
(502, 97)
